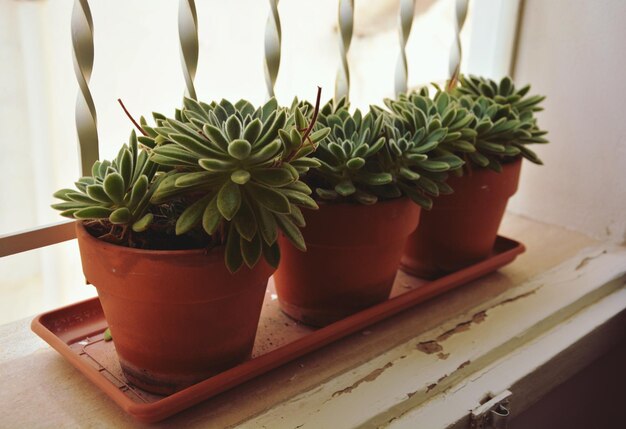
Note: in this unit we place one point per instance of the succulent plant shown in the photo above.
(241, 168)
(505, 120)
(429, 134)
(118, 192)
(503, 93)
(442, 108)
(227, 172)
(348, 157)
(380, 155)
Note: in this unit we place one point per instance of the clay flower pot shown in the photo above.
(461, 228)
(353, 253)
(176, 317)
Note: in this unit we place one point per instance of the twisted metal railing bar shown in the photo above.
(456, 52)
(405, 22)
(86, 120)
(273, 39)
(345, 21)
(188, 36)
(85, 113)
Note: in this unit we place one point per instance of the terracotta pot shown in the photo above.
(461, 228)
(177, 317)
(353, 253)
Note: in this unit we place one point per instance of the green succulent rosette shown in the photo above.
(379, 155)
(230, 172)
(241, 167)
(505, 121)
(117, 192)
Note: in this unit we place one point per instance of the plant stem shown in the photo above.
(119, 100)
(305, 137)
(315, 113)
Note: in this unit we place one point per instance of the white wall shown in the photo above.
(574, 52)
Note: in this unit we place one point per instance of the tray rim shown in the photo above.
(226, 380)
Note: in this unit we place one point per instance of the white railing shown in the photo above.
(86, 118)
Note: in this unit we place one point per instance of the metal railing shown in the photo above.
(82, 30)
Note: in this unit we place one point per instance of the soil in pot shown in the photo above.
(176, 317)
(461, 228)
(353, 253)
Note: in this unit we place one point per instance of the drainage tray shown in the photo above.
(76, 331)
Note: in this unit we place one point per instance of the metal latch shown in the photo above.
(493, 414)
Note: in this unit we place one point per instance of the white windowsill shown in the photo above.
(507, 325)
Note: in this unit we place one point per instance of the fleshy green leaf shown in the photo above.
(252, 131)
(139, 190)
(215, 135)
(292, 232)
(251, 250)
(216, 165)
(267, 224)
(434, 166)
(269, 198)
(355, 163)
(114, 187)
(211, 218)
(233, 257)
(233, 128)
(191, 216)
(93, 213)
(143, 223)
(245, 221)
(299, 198)
(239, 149)
(272, 254)
(345, 188)
(229, 199)
(274, 177)
(120, 216)
(62, 194)
(240, 177)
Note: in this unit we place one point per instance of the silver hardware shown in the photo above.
(493, 414)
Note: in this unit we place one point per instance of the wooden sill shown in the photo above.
(385, 374)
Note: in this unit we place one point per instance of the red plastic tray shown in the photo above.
(76, 332)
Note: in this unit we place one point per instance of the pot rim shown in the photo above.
(517, 159)
(355, 204)
(83, 234)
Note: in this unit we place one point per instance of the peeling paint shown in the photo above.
(464, 326)
(369, 377)
(433, 385)
(463, 365)
(587, 259)
(433, 346)
(515, 298)
(429, 347)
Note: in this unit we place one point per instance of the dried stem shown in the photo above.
(119, 100)
(315, 113)
(305, 137)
